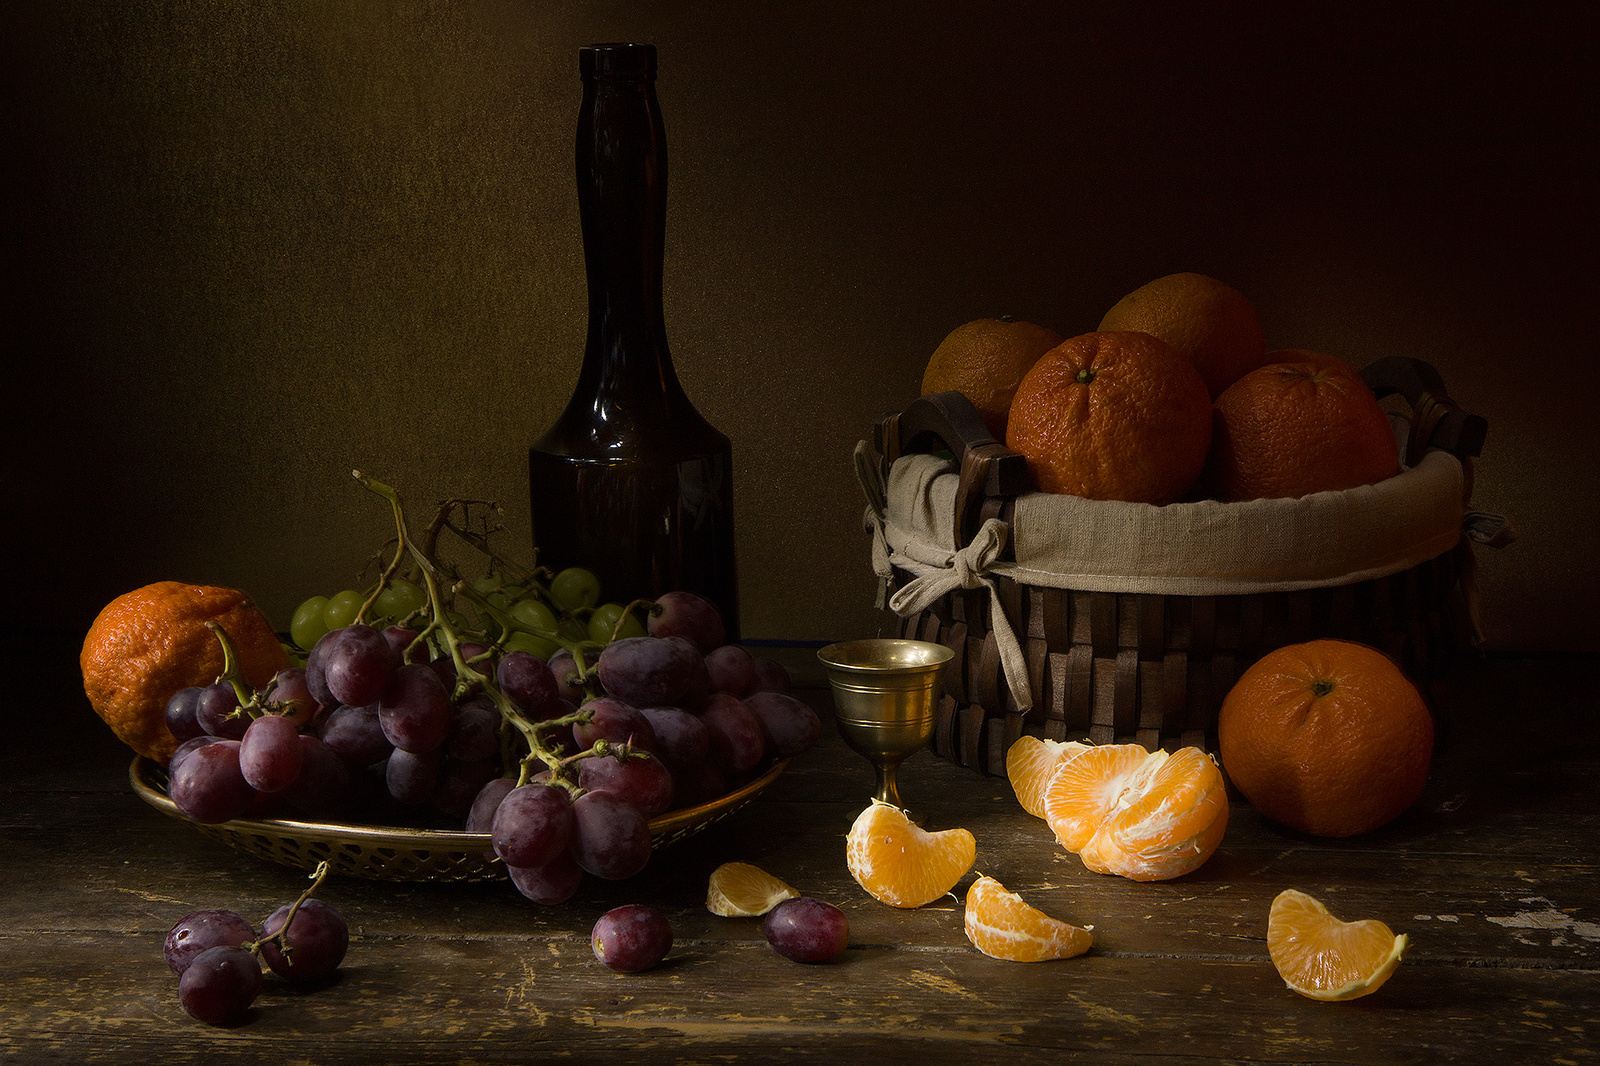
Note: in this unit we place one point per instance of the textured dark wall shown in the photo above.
(256, 245)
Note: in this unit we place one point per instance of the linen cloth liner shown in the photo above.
(1205, 548)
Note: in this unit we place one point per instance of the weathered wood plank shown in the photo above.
(517, 998)
(1501, 899)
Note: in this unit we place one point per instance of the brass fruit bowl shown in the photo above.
(391, 853)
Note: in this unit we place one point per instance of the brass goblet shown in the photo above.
(885, 692)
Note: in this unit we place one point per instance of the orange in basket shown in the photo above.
(147, 644)
(984, 360)
(1210, 322)
(1305, 424)
(1113, 416)
(1143, 815)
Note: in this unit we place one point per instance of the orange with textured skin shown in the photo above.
(1031, 762)
(1306, 424)
(1002, 926)
(1321, 957)
(900, 863)
(1113, 416)
(984, 360)
(149, 643)
(1328, 737)
(1143, 815)
(1209, 322)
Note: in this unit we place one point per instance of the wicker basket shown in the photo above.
(1112, 666)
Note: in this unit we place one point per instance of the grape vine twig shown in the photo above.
(468, 677)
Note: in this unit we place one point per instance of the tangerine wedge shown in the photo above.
(1002, 926)
(1084, 790)
(740, 890)
(900, 863)
(1031, 762)
(1321, 957)
(1146, 816)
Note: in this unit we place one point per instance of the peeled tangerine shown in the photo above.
(900, 863)
(1322, 957)
(1031, 762)
(1002, 926)
(1144, 815)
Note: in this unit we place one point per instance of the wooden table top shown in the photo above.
(1492, 876)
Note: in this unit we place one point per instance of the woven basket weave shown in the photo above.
(1111, 666)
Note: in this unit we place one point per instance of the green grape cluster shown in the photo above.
(511, 615)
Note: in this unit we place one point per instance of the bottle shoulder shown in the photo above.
(652, 429)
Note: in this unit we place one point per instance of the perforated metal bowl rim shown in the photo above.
(249, 834)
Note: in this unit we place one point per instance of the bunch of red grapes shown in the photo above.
(681, 720)
(217, 954)
(383, 727)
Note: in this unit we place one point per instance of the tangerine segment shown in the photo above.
(1169, 820)
(902, 864)
(1321, 957)
(740, 890)
(1085, 789)
(1031, 761)
(1002, 926)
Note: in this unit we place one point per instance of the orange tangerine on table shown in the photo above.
(1328, 737)
(1030, 763)
(984, 360)
(147, 644)
(1143, 815)
(1002, 926)
(1209, 322)
(741, 890)
(1113, 416)
(1305, 423)
(900, 863)
(1321, 957)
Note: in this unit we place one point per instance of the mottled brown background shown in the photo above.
(256, 245)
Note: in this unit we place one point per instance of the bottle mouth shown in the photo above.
(617, 60)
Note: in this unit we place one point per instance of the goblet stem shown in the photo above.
(888, 792)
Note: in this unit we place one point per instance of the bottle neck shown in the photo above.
(622, 200)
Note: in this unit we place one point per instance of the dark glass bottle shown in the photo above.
(631, 482)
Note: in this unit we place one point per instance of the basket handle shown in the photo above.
(1436, 420)
(948, 420)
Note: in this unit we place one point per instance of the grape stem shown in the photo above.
(249, 699)
(383, 583)
(467, 677)
(602, 748)
(648, 606)
(282, 935)
(498, 562)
